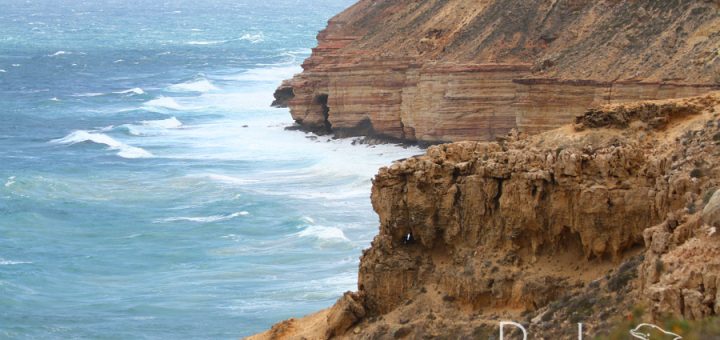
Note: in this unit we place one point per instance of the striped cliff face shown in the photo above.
(437, 71)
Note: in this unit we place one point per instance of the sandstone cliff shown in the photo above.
(434, 71)
(577, 224)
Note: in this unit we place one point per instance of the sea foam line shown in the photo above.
(4, 262)
(204, 219)
(59, 53)
(324, 233)
(164, 103)
(136, 90)
(152, 127)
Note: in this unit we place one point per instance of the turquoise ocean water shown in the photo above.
(147, 191)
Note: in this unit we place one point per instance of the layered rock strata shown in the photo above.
(577, 224)
(436, 71)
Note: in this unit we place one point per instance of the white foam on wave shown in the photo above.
(10, 181)
(153, 127)
(205, 219)
(2, 71)
(89, 94)
(202, 85)
(170, 123)
(270, 74)
(206, 42)
(55, 99)
(253, 38)
(324, 233)
(164, 103)
(59, 53)
(226, 179)
(4, 262)
(124, 150)
(136, 90)
(133, 91)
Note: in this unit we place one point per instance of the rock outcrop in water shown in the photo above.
(436, 71)
(577, 224)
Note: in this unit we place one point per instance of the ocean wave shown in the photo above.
(136, 90)
(89, 94)
(204, 219)
(152, 127)
(323, 233)
(253, 38)
(59, 53)
(170, 123)
(273, 73)
(132, 92)
(207, 42)
(164, 103)
(226, 179)
(202, 85)
(10, 181)
(124, 150)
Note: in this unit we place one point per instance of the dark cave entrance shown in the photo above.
(322, 100)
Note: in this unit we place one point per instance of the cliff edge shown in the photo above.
(439, 71)
(578, 224)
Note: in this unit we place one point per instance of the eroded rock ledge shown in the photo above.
(577, 224)
(437, 71)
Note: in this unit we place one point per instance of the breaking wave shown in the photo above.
(124, 150)
(136, 90)
(324, 233)
(202, 85)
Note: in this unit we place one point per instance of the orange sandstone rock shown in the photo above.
(438, 71)
(571, 225)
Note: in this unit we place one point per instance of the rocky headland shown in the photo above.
(583, 223)
(582, 186)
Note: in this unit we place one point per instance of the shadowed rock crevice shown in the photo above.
(322, 101)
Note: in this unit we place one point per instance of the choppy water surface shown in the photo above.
(146, 188)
